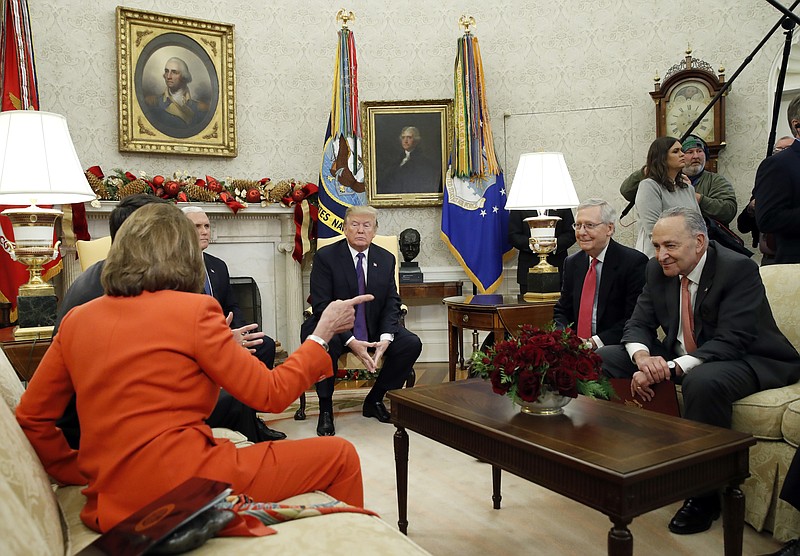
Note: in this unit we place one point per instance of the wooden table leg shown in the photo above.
(401, 471)
(453, 347)
(733, 520)
(620, 539)
(496, 496)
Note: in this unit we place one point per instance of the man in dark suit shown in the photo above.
(218, 284)
(356, 265)
(413, 171)
(519, 235)
(721, 341)
(614, 284)
(777, 194)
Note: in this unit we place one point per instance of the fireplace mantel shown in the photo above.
(255, 242)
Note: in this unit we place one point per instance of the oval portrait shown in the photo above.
(176, 85)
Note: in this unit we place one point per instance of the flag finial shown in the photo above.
(466, 21)
(343, 16)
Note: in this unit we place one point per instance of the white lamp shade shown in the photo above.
(38, 162)
(542, 182)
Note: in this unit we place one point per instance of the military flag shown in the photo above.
(474, 218)
(341, 176)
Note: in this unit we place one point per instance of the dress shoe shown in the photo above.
(266, 434)
(325, 424)
(791, 548)
(377, 410)
(696, 515)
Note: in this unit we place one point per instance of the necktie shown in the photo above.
(207, 286)
(587, 301)
(360, 328)
(687, 317)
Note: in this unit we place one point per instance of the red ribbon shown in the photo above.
(231, 201)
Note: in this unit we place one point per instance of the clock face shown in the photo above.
(685, 103)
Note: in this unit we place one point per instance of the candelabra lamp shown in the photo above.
(542, 182)
(38, 166)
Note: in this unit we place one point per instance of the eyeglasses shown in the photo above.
(588, 226)
(777, 149)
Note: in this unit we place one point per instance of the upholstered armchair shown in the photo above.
(773, 418)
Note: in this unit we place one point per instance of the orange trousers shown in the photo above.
(293, 467)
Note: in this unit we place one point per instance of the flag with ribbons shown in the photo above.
(474, 218)
(19, 92)
(341, 176)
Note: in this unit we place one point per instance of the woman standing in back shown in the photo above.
(664, 187)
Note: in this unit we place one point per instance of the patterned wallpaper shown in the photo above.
(571, 75)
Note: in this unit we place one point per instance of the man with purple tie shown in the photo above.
(340, 271)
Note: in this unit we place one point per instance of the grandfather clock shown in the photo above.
(687, 88)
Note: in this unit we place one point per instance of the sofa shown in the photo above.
(37, 517)
(773, 418)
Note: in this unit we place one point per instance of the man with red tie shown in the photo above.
(720, 338)
(601, 281)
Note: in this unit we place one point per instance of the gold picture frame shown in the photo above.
(150, 45)
(394, 175)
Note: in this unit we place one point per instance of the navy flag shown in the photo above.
(341, 176)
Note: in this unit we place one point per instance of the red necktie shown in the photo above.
(587, 301)
(687, 317)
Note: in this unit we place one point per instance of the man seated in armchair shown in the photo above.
(357, 265)
(721, 341)
(601, 281)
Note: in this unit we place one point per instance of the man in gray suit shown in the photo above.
(721, 341)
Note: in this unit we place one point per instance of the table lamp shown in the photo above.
(38, 165)
(542, 182)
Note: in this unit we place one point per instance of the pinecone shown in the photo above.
(132, 188)
(280, 190)
(98, 186)
(202, 194)
(242, 185)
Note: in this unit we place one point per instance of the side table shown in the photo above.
(429, 292)
(495, 313)
(24, 355)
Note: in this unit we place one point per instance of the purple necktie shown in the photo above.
(360, 328)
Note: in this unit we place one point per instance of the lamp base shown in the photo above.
(36, 311)
(543, 286)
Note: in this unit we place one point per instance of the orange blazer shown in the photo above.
(147, 371)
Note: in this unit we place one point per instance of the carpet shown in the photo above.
(347, 398)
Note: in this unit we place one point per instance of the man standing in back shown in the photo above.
(777, 194)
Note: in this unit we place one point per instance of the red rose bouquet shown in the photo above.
(536, 360)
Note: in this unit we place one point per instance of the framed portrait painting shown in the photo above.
(176, 90)
(406, 146)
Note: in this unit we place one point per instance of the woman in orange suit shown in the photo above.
(147, 361)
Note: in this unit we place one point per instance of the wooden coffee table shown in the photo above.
(618, 460)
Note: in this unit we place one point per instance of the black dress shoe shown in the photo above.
(325, 424)
(377, 410)
(266, 434)
(696, 515)
(791, 548)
